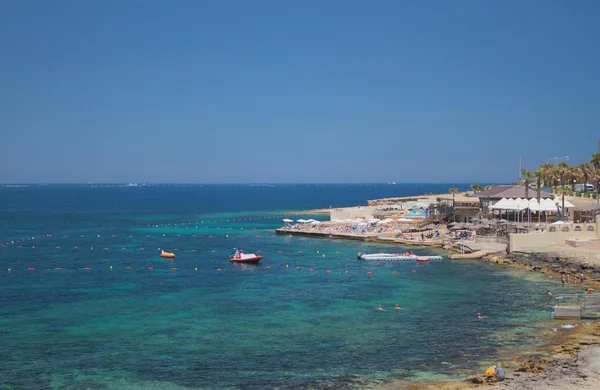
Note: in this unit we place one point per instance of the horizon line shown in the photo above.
(247, 183)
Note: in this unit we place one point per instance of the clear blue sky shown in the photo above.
(295, 91)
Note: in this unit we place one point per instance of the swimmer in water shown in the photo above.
(480, 317)
(549, 292)
(379, 308)
(397, 306)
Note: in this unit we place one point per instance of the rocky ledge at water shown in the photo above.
(550, 262)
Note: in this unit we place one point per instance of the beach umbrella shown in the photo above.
(287, 220)
(482, 226)
(362, 224)
(373, 220)
(302, 221)
(348, 220)
(452, 224)
(559, 222)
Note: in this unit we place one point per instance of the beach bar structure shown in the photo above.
(574, 306)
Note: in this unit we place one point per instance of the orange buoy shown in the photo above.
(218, 269)
(173, 269)
(30, 269)
(127, 268)
(310, 270)
(141, 249)
(258, 251)
(86, 269)
(122, 249)
(58, 269)
(193, 250)
(414, 271)
(394, 272)
(278, 251)
(243, 269)
(297, 268)
(328, 271)
(213, 250)
(174, 249)
(369, 273)
(105, 249)
(57, 247)
(268, 267)
(150, 268)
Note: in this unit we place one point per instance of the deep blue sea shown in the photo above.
(286, 323)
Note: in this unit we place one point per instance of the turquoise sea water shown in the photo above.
(274, 325)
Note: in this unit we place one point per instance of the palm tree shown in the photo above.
(583, 172)
(528, 175)
(595, 160)
(547, 171)
(476, 188)
(573, 173)
(453, 191)
(564, 172)
(563, 191)
(539, 174)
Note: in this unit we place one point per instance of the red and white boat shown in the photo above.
(241, 257)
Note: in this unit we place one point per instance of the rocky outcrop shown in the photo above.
(553, 262)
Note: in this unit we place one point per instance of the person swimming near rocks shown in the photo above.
(397, 307)
(480, 317)
(379, 308)
(548, 292)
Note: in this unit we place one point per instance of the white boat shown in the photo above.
(396, 256)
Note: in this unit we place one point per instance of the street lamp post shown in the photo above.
(557, 159)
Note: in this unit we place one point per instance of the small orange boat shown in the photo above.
(422, 259)
(240, 257)
(167, 255)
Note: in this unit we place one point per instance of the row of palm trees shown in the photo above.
(565, 175)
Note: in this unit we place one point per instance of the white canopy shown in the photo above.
(405, 220)
(302, 221)
(373, 220)
(559, 222)
(568, 204)
(544, 205)
(357, 220)
(287, 220)
(510, 204)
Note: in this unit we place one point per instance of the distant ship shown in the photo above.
(393, 183)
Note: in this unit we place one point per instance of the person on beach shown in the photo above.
(499, 373)
(581, 278)
(480, 317)
(562, 278)
(490, 372)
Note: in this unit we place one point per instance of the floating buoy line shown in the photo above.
(30, 242)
